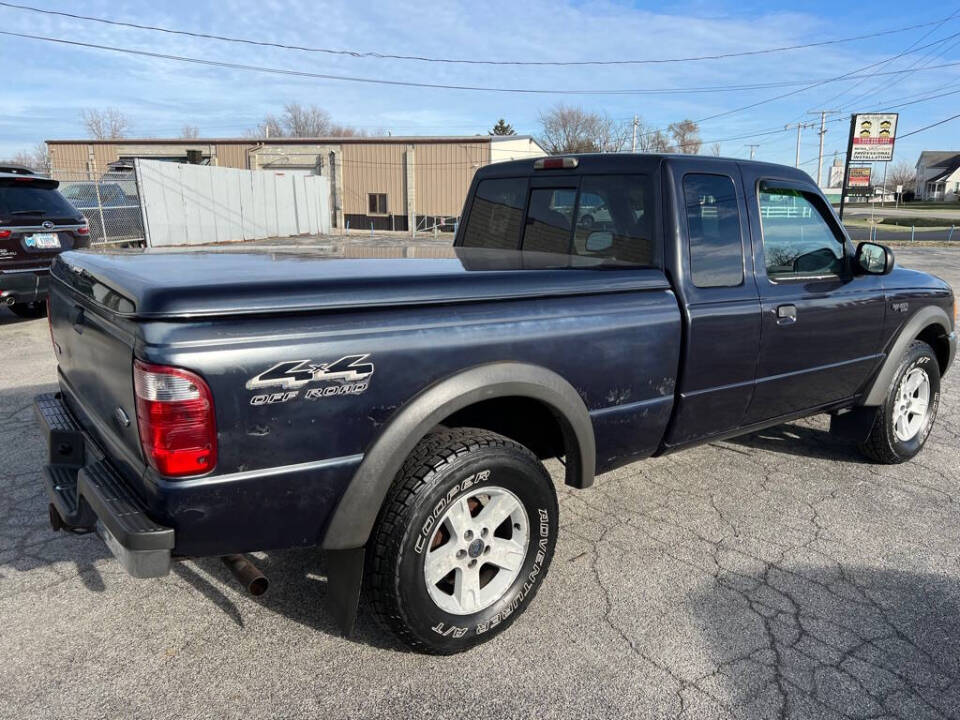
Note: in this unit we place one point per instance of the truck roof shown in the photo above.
(631, 162)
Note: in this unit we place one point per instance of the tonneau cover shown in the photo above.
(166, 284)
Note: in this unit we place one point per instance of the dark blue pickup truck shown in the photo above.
(599, 309)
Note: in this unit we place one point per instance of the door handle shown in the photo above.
(786, 314)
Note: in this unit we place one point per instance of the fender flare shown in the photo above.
(922, 319)
(357, 511)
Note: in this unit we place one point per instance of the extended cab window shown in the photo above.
(713, 228)
(797, 240)
(496, 214)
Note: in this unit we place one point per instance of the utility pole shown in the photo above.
(636, 123)
(799, 126)
(753, 150)
(823, 131)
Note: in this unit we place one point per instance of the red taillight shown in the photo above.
(83, 230)
(175, 415)
(4, 234)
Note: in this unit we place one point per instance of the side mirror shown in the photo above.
(599, 241)
(874, 259)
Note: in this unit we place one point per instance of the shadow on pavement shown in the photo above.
(801, 440)
(830, 642)
(298, 588)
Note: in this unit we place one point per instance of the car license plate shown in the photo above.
(43, 241)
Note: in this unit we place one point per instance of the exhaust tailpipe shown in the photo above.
(9, 300)
(247, 574)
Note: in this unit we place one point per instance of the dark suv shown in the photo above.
(36, 224)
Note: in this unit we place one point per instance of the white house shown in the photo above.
(938, 175)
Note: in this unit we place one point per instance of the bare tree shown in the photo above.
(190, 132)
(686, 136)
(657, 141)
(106, 124)
(300, 121)
(567, 129)
(901, 173)
(37, 159)
(715, 149)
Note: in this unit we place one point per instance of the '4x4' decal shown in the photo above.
(294, 374)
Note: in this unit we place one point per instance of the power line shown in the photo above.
(929, 58)
(927, 127)
(911, 47)
(847, 75)
(475, 88)
(899, 137)
(421, 58)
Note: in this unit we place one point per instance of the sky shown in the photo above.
(45, 86)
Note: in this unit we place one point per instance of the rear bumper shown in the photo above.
(24, 287)
(86, 493)
(264, 509)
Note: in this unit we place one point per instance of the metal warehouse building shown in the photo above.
(389, 182)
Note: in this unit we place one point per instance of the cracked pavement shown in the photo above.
(777, 575)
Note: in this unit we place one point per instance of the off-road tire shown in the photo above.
(883, 445)
(445, 467)
(29, 310)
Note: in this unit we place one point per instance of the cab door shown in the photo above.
(821, 323)
(718, 295)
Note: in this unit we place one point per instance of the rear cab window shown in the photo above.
(604, 217)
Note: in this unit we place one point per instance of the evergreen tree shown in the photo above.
(502, 128)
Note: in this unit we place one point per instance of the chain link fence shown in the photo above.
(110, 201)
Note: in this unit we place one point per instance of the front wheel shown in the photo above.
(905, 419)
(463, 541)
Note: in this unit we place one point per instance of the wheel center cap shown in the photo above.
(475, 549)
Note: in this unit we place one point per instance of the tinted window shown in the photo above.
(613, 219)
(548, 220)
(713, 226)
(496, 214)
(21, 200)
(797, 241)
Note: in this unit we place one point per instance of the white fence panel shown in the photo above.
(198, 204)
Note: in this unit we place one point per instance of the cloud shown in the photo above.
(48, 85)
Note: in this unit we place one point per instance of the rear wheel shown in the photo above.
(463, 542)
(29, 310)
(905, 419)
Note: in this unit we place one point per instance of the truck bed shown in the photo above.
(289, 452)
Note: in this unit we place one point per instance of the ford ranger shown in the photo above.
(599, 309)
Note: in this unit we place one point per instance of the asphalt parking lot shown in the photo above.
(776, 575)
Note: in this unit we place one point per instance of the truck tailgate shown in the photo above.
(95, 353)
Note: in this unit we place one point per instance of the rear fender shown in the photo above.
(354, 518)
(357, 510)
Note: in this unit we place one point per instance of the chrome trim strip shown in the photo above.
(43, 268)
(38, 228)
